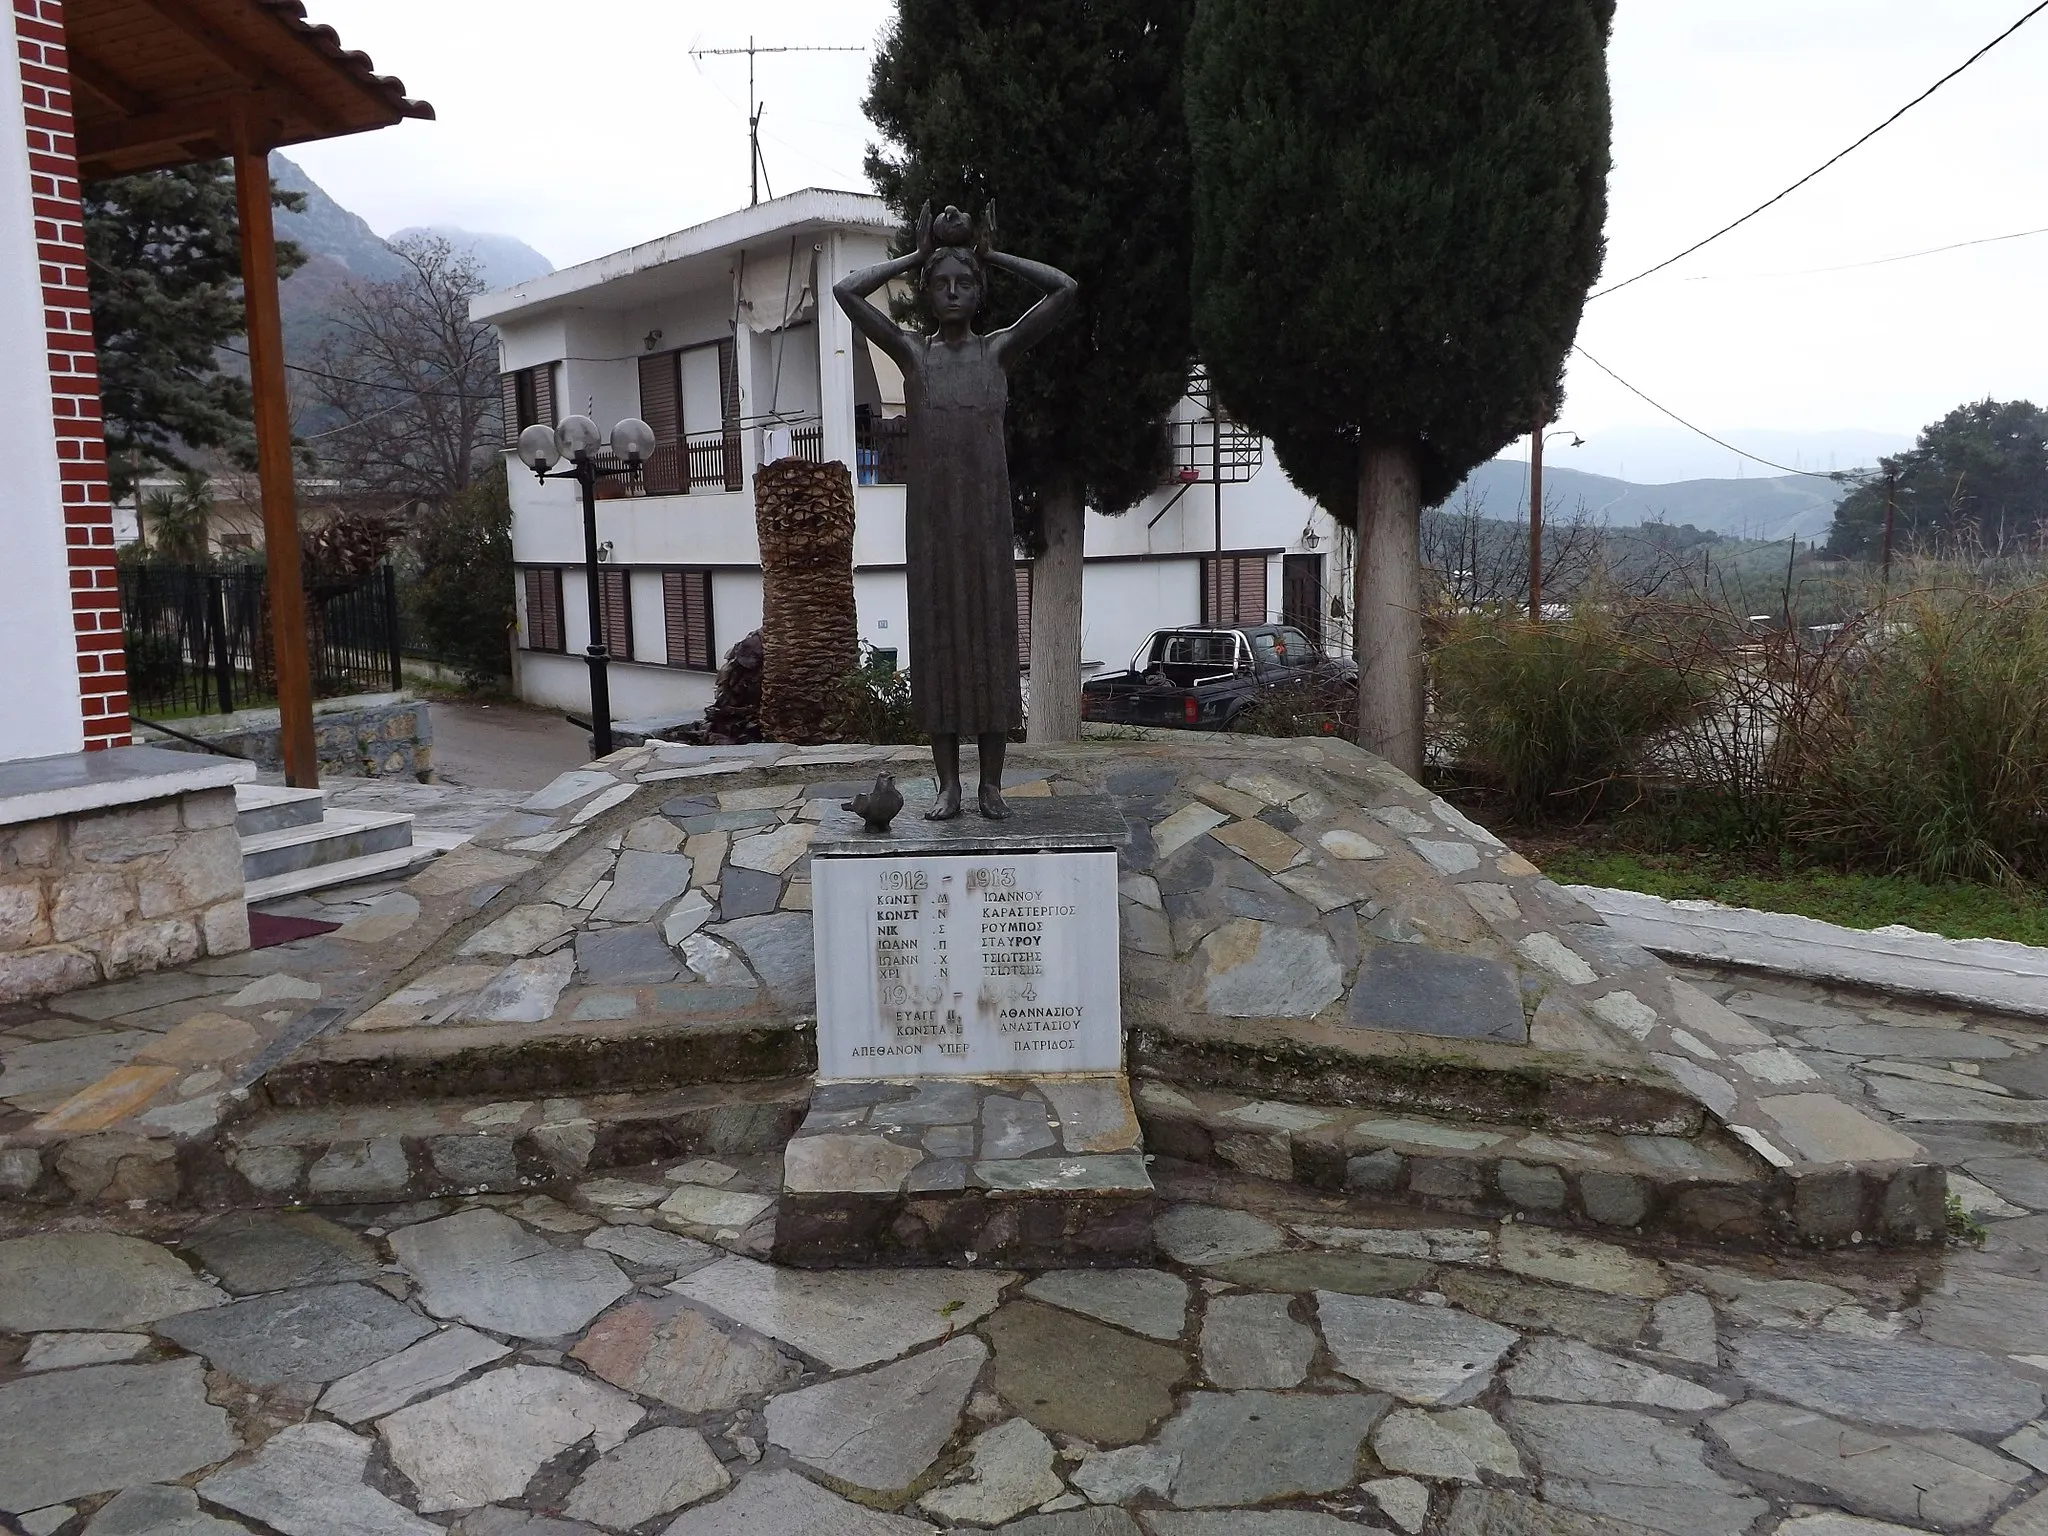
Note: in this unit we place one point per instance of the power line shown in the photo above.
(1824, 165)
(1880, 261)
(1702, 431)
(408, 389)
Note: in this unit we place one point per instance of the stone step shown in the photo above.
(1037, 1172)
(1705, 1185)
(337, 836)
(648, 1054)
(261, 808)
(320, 877)
(469, 1146)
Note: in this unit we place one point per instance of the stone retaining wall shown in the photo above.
(110, 893)
(375, 736)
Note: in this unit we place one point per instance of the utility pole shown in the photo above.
(757, 170)
(1891, 489)
(1536, 520)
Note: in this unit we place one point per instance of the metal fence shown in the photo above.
(199, 640)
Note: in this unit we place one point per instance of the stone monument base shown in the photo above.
(1037, 1172)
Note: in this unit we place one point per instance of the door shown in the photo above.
(1301, 595)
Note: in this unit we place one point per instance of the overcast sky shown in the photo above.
(588, 129)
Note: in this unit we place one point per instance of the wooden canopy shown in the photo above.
(165, 82)
(162, 83)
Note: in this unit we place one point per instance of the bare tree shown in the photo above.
(414, 378)
(1482, 562)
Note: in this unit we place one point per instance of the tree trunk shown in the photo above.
(1056, 621)
(1388, 603)
(803, 513)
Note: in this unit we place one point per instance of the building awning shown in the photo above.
(160, 83)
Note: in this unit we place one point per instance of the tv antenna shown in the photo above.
(757, 169)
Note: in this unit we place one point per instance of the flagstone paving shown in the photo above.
(1295, 1363)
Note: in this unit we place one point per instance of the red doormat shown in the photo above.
(266, 930)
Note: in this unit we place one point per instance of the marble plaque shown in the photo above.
(994, 963)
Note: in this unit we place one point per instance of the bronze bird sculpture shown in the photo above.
(877, 806)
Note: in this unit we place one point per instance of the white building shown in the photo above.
(717, 337)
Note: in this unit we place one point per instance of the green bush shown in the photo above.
(1556, 713)
(872, 704)
(461, 601)
(1932, 757)
(1318, 706)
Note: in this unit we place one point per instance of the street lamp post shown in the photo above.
(1536, 441)
(577, 439)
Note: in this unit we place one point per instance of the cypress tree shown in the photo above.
(1068, 115)
(1398, 212)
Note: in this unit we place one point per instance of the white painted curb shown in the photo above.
(1982, 973)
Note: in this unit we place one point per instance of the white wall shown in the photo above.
(39, 705)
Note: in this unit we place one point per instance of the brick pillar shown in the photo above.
(74, 372)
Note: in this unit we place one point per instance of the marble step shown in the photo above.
(261, 808)
(320, 877)
(1036, 1172)
(338, 835)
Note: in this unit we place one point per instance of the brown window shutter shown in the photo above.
(615, 593)
(544, 394)
(508, 404)
(1251, 589)
(544, 611)
(686, 615)
(729, 412)
(1024, 615)
(661, 407)
(1212, 590)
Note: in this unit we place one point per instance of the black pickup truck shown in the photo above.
(1203, 679)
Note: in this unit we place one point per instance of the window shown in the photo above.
(1233, 589)
(686, 617)
(528, 397)
(615, 601)
(544, 611)
(1301, 594)
(699, 384)
(1024, 617)
(661, 407)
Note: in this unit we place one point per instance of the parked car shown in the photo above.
(1203, 679)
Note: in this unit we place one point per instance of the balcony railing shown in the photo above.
(703, 461)
(882, 444)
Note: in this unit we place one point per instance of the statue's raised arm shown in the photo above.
(1041, 318)
(852, 290)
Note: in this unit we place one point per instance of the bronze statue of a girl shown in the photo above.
(959, 548)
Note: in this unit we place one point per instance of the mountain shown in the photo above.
(1658, 455)
(1780, 508)
(504, 259)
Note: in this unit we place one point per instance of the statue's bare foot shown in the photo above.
(993, 805)
(947, 806)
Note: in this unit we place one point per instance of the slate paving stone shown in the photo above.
(1412, 989)
(1252, 1341)
(1684, 1327)
(781, 1503)
(1454, 1445)
(1240, 1448)
(1978, 1308)
(1067, 1374)
(1261, 970)
(307, 1480)
(2026, 1072)
(484, 1441)
(1427, 1355)
(1014, 1127)
(61, 1351)
(1121, 1475)
(778, 947)
(266, 1251)
(1894, 1040)
(1499, 1512)
(1279, 1522)
(133, 1282)
(1570, 1372)
(881, 1429)
(715, 1209)
(1009, 1471)
(153, 1510)
(435, 1361)
(490, 1272)
(664, 1349)
(65, 1434)
(748, 893)
(1147, 1301)
(845, 1318)
(525, 992)
(642, 884)
(1929, 1479)
(1585, 1262)
(1208, 1234)
(1352, 1274)
(1889, 1382)
(650, 1248)
(1607, 1321)
(315, 1334)
(1629, 1466)
(625, 957)
(1074, 1522)
(651, 1474)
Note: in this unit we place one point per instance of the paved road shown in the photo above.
(620, 1360)
(504, 746)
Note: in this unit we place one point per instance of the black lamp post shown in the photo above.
(577, 439)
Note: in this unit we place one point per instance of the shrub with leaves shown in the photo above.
(872, 704)
(463, 599)
(1556, 713)
(1932, 754)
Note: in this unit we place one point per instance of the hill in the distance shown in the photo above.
(1789, 506)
